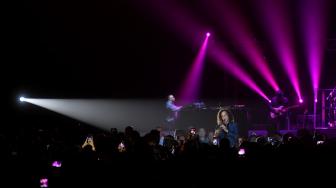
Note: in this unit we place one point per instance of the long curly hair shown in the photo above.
(219, 118)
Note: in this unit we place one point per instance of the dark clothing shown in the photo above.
(278, 101)
(278, 119)
(231, 135)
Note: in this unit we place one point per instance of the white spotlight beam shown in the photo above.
(143, 114)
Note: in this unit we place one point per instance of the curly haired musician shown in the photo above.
(226, 128)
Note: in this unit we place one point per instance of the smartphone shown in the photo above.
(215, 142)
(44, 182)
(56, 164)
(193, 131)
(121, 147)
(241, 152)
(319, 142)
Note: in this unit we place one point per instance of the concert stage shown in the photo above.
(206, 118)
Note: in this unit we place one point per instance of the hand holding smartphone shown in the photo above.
(121, 147)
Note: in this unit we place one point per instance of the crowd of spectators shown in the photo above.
(58, 155)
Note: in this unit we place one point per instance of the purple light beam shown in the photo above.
(228, 64)
(276, 24)
(239, 31)
(190, 88)
(314, 25)
(185, 26)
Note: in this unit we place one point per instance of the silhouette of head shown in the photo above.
(171, 98)
(279, 93)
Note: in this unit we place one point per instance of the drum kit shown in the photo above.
(331, 100)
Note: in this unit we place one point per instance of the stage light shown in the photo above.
(229, 64)
(280, 34)
(208, 34)
(56, 164)
(189, 90)
(315, 100)
(269, 101)
(102, 113)
(301, 101)
(237, 28)
(22, 99)
(314, 23)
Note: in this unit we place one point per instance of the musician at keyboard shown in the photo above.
(172, 113)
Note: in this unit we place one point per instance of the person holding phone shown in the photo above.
(89, 142)
(121, 147)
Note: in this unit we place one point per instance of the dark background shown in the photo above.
(116, 49)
